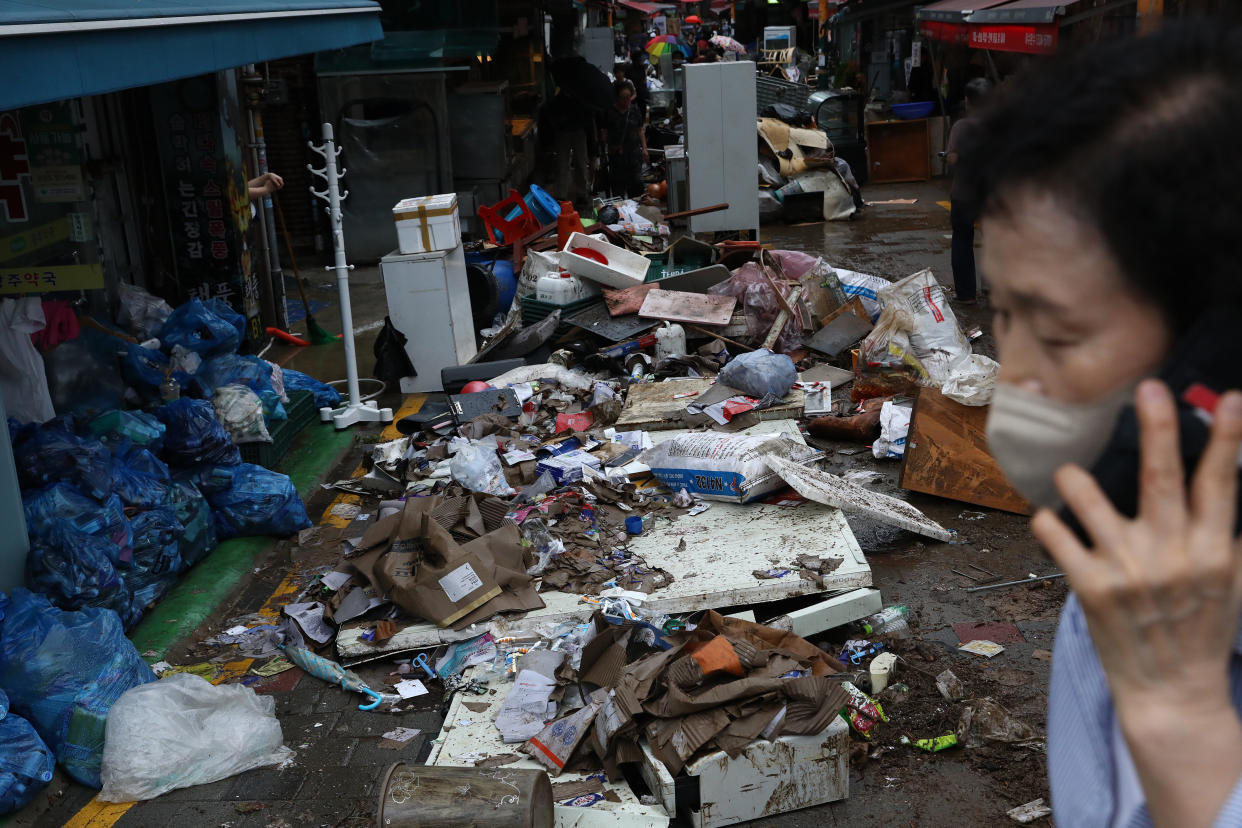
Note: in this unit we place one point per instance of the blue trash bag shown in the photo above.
(198, 527)
(145, 370)
(157, 556)
(135, 485)
(250, 371)
(76, 570)
(53, 453)
(325, 395)
(258, 501)
(142, 460)
(207, 329)
(194, 436)
(61, 504)
(63, 671)
(138, 427)
(26, 763)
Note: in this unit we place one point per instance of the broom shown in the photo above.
(318, 336)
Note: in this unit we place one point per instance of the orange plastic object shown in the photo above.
(567, 223)
(505, 231)
(718, 656)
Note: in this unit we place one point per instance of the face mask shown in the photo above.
(1031, 436)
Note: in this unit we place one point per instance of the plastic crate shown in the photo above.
(771, 90)
(534, 311)
(302, 412)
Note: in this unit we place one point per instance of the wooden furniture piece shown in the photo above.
(775, 60)
(898, 151)
(947, 455)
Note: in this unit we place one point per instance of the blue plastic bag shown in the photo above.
(53, 453)
(250, 371)
(26, 763)
(136, 486)
(63, 671)
(198, 528)
(256, 501)
(207, 329)
(76, 570)
(157, 556)
(145, 371)
(325, 395)
(63, 505)
(194, 436)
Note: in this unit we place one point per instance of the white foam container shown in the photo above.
(440, 216)
(624, 268)
(564, 289)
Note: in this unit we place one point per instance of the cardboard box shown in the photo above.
(427, 223)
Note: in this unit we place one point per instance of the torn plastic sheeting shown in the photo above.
(973, 380)
(559, 374)
(831, 490)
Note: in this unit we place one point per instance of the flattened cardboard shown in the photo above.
(680, 306)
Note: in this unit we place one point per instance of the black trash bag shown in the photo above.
(391, 361)
(791, 115)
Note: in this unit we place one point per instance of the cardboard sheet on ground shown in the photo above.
(835, 491)
(678, 306)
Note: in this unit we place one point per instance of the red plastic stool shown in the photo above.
(506, 231)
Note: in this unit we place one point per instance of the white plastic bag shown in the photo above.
(973, 380)
(183, 731)
(478, 468)
(141, 313)
(240, 411)
(865, 287)
(916, 308)
(894, 428)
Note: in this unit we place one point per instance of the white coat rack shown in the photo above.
(354, 410)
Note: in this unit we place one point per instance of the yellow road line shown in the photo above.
(98, 814)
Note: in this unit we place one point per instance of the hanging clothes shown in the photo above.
(61, 325)
(23, 380)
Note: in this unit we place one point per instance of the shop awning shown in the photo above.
(1020, 11)
(645, 8)
(953, 11)
(52, 50)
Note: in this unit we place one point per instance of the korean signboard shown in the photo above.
(1037, 39)
(205, 184)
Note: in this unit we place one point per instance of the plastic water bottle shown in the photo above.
(170, 389)
(888, 621)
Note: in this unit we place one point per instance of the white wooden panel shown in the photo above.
(721, 144)
(466, 732)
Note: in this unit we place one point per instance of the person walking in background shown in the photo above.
(637, 73)
(623, 136)
(963, 213)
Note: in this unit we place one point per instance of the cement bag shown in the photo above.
(973, 380)
(727, 467)
(183, 731)
(917, 307)
(865, 287)
(894, 429)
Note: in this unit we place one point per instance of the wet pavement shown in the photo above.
(339, 752)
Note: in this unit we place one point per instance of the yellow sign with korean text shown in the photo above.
(36, 238)
(47, 279)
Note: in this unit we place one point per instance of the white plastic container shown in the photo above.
(427, 223)
(624, 268)
(670, 340)
(564, 289)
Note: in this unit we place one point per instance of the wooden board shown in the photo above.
(651, 406)
(947, 455)
(679, 306)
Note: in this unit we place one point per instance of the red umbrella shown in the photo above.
(695, 19)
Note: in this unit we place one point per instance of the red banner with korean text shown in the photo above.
(944, 32)
(1036, 39)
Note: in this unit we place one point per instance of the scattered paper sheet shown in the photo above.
(526, 708)
(238, 630)
(334, 580)
(402, 734)
(987, 649)
(409, 688)
(310, 618)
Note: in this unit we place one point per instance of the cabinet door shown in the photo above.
(721, 144)
(898, 151)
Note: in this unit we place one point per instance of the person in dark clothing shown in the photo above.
(622, 134)
(573, 130)
(963, 212)
(637, 73)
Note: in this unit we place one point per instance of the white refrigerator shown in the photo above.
(429, 302)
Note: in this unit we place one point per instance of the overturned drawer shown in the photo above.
(768, 778)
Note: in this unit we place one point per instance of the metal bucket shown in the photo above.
(441, 797)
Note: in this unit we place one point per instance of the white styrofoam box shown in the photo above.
(773, 777)
(624, 268)
(427, 223)
(564, 288)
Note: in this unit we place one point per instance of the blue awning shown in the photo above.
(54, 50)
